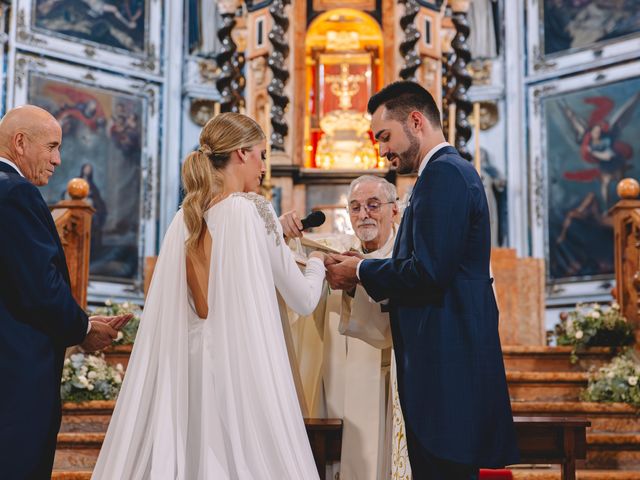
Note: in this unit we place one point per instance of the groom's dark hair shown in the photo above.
(401, 98)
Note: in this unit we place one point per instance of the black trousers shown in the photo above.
(424, 466)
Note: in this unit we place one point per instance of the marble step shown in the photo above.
(553, 473)
(530, 358)
(524, 358)
(518, 474)
(118, 354)
(604, 417)
(71, 475)
(613, 450)
(549, 386)
(79, 451)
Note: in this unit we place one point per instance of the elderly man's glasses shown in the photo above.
(372, 206)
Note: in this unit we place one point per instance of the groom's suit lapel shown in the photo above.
(407, 216)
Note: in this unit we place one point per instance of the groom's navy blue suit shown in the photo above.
(38, 319)
(444, 320)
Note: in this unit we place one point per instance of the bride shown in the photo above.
(208, 392)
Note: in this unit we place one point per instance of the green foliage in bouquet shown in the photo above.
(593, 326)
(88, 377)
(127, 335)
(616, 382)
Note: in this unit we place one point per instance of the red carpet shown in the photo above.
(495, 474)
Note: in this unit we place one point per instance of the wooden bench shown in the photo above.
(325, 437)
(560, 440)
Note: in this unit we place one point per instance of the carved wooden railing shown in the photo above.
(626, 227)
(73, 222)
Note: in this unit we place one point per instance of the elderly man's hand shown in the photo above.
(291, 224)
(342, 275)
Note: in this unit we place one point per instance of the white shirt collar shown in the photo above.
(11, 164)
(430, 154)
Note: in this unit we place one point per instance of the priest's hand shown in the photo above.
(342, 275)
(291, 224)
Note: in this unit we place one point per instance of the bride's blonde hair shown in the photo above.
(202, 177)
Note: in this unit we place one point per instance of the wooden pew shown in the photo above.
(560, 440)
(541, 440)
(73, 222)
(325, 437)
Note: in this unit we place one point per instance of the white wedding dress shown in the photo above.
(214, 398)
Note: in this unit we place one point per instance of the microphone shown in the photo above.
(314, 219)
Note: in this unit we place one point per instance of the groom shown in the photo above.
(444, 317)
(38, 315)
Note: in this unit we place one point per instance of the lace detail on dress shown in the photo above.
(262, 204)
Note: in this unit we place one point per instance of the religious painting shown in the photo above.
(123, 33)
(103, 141)
(588, 140)
(574, 32)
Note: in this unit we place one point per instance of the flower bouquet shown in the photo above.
(88, 377)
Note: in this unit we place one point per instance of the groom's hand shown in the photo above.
(342, 275)
(103, 331)
(100, 336)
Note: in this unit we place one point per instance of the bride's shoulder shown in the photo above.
(259, 204)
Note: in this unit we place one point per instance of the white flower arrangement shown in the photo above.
(616, 382)
(88, 377)
(593, 325)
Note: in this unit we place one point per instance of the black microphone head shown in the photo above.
(314, 219)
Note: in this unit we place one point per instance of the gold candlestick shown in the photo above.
(476, 136)
(216, 109)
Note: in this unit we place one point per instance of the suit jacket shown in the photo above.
(444, 318)
(38, 319)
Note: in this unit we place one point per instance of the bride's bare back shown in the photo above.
(198, 266)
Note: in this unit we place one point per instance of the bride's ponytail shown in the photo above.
(202, 176)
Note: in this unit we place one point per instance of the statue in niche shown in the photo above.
(495, 186)
(204, 17)
(483, 37)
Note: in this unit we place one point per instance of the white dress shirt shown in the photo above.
(422, 166)
(11, 164)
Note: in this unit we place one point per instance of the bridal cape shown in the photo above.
(214, 398)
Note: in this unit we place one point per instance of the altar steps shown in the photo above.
(542, 381)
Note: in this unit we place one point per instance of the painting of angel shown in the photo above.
(101, 132)
(119, 24)
(592, 142)
(579, 24)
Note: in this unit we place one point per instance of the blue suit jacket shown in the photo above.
(38, 319)
(444, 318)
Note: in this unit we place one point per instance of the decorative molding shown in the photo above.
(23, 34)
(150, 62)
(407, 47)
(22, 68)
(280, 70)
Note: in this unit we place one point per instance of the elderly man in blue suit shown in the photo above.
(38, 316)
(444, 318)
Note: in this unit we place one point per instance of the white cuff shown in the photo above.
(88, 327)
(358, 269)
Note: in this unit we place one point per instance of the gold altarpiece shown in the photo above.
(333, 56)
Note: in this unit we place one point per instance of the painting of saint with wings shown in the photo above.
(592, 142)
